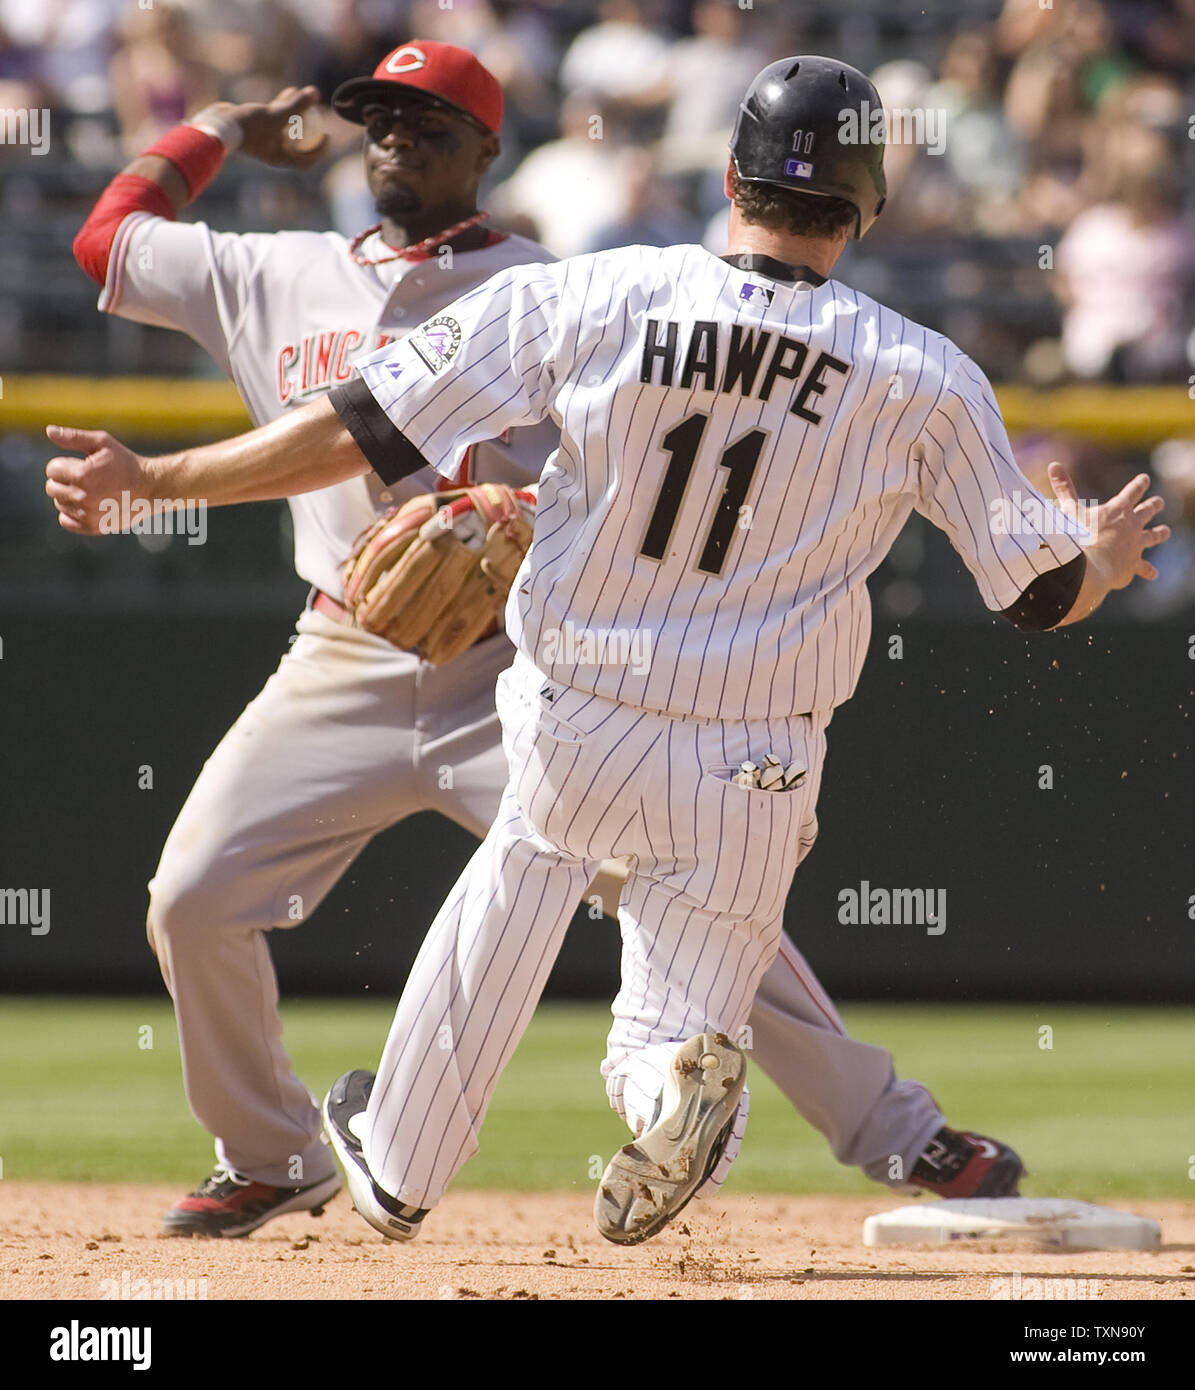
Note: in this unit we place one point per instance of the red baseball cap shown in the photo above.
(435, 74)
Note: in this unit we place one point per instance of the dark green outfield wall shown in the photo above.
(1078, 892)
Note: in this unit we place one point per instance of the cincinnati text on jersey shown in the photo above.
(711, 364)
(320, 360)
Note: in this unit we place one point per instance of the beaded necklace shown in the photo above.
(419, 251)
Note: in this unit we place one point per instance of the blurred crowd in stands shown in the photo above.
(1047, 228)
(1065, 132)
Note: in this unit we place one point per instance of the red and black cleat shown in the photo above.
(227, 1204)
(959, 1164)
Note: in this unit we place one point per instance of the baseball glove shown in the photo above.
(432, 576)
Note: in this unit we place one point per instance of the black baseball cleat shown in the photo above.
(347, 1100)
(227, 1204)
(959, 1164)
(650, 1180)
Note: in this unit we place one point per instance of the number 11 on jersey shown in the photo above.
(740, 460)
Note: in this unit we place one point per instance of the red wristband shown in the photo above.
(194, 153)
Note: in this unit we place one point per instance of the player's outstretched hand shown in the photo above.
(1120, 526)
(283, 132)
(91, 491)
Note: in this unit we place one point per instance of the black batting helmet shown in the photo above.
(811, 124)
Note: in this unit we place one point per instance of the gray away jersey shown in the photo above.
(737, 454)
(285, 315)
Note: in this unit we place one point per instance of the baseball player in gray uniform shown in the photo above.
(688, 393)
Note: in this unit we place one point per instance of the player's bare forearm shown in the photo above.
(1122, 535)
(1095, 589)
(264, 130)
(304, 451)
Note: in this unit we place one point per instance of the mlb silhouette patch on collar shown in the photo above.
(759, 295)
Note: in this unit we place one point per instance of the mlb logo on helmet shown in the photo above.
(798, 169)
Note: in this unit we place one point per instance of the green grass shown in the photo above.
(1105, 1113)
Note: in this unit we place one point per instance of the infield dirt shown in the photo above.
(85, 1240)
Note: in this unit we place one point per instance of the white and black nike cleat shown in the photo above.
(344, 1112)
(651, 1179)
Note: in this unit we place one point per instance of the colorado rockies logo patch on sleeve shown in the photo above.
(437, 342)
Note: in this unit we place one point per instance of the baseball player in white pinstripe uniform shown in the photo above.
(733, 463)
(350, 735)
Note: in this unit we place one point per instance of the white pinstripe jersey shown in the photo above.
(738, 452)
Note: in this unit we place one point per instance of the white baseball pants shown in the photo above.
(701, 915)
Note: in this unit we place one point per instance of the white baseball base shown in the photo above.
(1052, 1221)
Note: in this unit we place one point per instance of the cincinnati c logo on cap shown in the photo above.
(406, 60)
